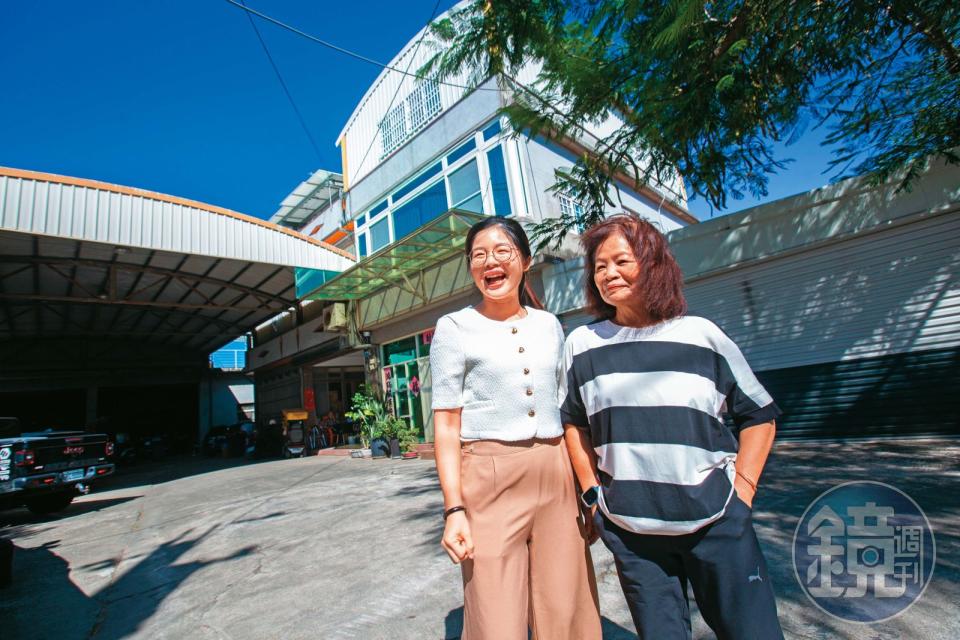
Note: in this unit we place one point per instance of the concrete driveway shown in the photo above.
(332, 547)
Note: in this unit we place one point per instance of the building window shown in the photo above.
(465, 188)
(406, 379)
(411, 115)
(461, 151)
(377, 209)
(453, 182)
(571, 208)
(362, 244)
(498, 181)
(380, 234)
(419, 210)
(415, 184)
(394, 128)
(232, 356)
(492, 130)
(423, 103)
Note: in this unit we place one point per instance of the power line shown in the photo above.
(348, 52)
(413, 56)
(529, 91)
(286, 90)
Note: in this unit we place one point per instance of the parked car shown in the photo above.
(45, 470)
(225, 440)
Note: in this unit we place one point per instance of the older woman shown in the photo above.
(643, 401)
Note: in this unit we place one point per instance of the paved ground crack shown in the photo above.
(101, 596)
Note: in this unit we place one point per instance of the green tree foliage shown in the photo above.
(707, 88)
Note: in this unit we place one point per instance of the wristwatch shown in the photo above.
(590, 496)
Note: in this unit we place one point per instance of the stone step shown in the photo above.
(332, 451)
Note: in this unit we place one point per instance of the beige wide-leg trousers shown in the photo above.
(531, 564)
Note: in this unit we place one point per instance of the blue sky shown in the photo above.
(177, 96)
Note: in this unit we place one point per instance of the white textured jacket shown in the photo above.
(503, 373)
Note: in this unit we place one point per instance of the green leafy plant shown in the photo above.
(367, 409)
(392, 427)
(408, 436)
(705, 90)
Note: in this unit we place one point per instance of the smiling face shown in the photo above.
(617, 274)
(496, 264)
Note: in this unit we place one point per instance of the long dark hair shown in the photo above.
(519, 239)
(662, 280)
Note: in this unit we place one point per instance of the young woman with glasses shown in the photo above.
(509, 499)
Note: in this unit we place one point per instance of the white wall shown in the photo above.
(842, 273)
(892, 290)
(309, 334)
(541, 158)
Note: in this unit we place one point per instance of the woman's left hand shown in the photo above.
(589, 526)
(744, 491)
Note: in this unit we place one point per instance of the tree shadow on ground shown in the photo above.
(116, 611)
(40, 575)
(425, 483)
(22, 516)
(798, 473)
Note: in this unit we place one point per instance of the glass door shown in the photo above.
(406, 395)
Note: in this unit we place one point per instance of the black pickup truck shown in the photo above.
(45, 470)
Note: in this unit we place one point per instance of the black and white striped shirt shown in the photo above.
(654, 400)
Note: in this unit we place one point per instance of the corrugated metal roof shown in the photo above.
(317, 192)
(79, 209)
(82, 259)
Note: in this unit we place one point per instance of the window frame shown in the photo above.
(481, 147)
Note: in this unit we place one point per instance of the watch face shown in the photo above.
(589, 497)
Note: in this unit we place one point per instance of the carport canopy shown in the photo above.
(80, 258)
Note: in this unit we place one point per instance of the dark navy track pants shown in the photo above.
(722, 562)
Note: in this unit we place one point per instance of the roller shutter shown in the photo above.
(277, 390)
(856, 336)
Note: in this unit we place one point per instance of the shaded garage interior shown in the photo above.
(112, 299)
(58, 409)
(169, 410)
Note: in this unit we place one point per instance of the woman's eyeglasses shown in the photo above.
(502, 253)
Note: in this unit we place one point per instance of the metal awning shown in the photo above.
(317, 192)
(82, 260)
(393, 265)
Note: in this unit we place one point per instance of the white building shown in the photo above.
(844, 299)
(422, 161)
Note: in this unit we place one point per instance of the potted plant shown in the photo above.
(392, 429)
(408, 440)
(366, 409)
(379, 447)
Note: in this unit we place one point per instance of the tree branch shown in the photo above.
(737, 28)
(923, 25)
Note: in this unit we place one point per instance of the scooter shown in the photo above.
(294, 445)
(294, 438)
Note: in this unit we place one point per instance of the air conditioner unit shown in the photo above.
(335, 317)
